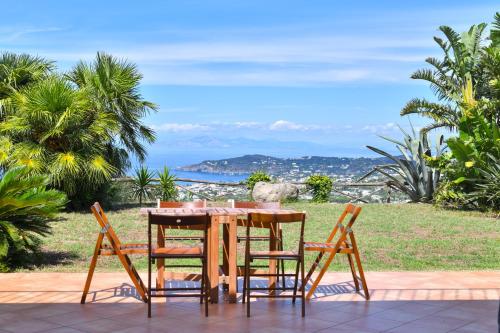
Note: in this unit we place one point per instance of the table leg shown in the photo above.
(232, 264)
(213, 259)
(273, 246)
(160, 263)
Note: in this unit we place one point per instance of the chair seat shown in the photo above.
(165, 252)
(107, 250)
(327, 247)
(185, 238)
(273, 254)
(256, 238)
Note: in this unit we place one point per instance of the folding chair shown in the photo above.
(242, 223)
(115, 248)
(272, 221)
(193, 222)
(346, 243)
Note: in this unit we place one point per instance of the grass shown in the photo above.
(392, 237)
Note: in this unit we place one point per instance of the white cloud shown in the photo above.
(380, 128)
(176, 127)
(283, 125)
(11, 35)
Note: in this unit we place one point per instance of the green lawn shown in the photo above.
(391, 237)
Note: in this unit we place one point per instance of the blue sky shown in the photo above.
(287, 78)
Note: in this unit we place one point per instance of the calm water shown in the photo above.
(217, 177)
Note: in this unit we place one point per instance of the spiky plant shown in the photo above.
(26, 207)
(142, 184)
(411, 172)
(168, 191)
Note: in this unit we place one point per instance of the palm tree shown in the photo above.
(55, 131)
(449, 77)
(113, 86)
(26, 207)
(17, 71)
(141, 186)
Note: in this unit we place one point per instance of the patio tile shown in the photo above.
(75, 317)
(464, 302)
(478, 327)
(432, 324)
(373, 323)
(64, 329)
(100, 325)
(28, 325)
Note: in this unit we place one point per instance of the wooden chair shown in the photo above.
(194, 222)
(345, 243)
(242, 223)
(271, 221)
(162, 234)
(181, 204)
(115, 248)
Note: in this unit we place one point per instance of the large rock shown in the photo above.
(269, 192)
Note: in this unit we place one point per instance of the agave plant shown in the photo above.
(142, 184)
(411, 172)
(26, 207)
(168, 190)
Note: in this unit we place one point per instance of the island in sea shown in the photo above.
(292, 169)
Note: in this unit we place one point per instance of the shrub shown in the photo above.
(26, 207)
(168, 191)
(321, 186)
(142, 184)
(257, 176)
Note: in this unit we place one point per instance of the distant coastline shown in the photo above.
(299, 167)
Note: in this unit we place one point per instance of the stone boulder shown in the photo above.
(269, 192)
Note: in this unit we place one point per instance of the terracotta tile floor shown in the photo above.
(462, 302)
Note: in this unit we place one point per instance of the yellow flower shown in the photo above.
(469, 164)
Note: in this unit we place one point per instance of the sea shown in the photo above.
(156, 161)
(215, 177)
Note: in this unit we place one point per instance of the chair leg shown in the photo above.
(320, 275)
(303, 285)
(206, 287)
(353, 271)
(202, 285)
(296, 282)
(244, 294)
(93, 263)
(149, 287)
(247, 284)
(282, 262)
(360, 267)
(361, 274)
(313, 267)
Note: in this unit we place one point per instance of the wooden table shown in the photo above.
(227, 217)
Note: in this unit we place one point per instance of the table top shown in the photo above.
(222, 211)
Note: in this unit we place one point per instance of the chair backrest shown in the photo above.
(256, 205)
(106, 227)
(194, 222)
(179, 204)
(273, 221)
(342, 227)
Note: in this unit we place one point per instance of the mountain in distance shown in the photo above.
(290, 167)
